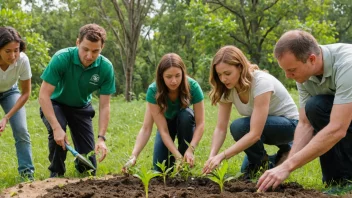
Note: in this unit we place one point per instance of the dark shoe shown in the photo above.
(252, 170)
(55, 174)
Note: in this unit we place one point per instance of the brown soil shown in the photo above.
(121, 186)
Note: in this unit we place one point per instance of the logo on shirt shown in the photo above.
(94, 79)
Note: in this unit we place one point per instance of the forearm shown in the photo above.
(169, 143)
(303, 134)
(318, 145)
(198, 134)
(18, 105)
(48, 112)
(104, 117)
(141, 141)
(217, 141)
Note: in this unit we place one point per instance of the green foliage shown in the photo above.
(219, 176)
(340, 11)
(164, 170)
(186, 171)
(254, 27)
(182, 169)
(145, 176)
(37, 47)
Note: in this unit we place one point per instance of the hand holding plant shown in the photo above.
(131, 162)
(189, 154)
(189, 157)
(212, 163)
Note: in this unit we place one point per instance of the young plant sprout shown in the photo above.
(145, 175)
(164, 169)
(185, 171)
(219, 176)
(177, 168)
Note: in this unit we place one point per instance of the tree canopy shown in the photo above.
(140, 32)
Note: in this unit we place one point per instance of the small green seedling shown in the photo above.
(218, 175)
(177, 168)
(145, 175)
(164, 170)
(182, 169)
(185, 171)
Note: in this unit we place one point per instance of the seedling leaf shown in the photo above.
(218, 175)
(145, 175)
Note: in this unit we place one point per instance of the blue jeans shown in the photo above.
(336, 164)
(278, 131)
(183, 126)
(18, 124)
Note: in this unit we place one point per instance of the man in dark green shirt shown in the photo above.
(69, 80)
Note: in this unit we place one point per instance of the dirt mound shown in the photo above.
(121, 186)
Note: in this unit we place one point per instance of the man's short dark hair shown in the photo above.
(92, 32)
(300, 43)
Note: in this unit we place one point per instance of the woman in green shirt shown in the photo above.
(168, 105)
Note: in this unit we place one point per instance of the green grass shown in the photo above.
(126, 120)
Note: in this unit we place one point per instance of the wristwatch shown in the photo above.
(102, 137)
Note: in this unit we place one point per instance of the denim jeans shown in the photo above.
(183, 126)
(278, 131)
(20, 132)
(336, 164)
(80, 122)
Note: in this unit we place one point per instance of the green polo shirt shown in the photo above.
(174, 107)
(337, 77)
(74, 83)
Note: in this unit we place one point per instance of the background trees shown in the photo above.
(141, 31)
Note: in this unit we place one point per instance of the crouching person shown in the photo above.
(69, 80)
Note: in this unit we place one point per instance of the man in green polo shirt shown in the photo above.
(323, 75)
(69, 80)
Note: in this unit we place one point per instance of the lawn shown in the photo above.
(125, 122)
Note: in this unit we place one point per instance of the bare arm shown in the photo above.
(303, 133)
(144, 133)
(219, 134)
(258, 119)
(257, 123)
(104, 117)
(141, 140)
(340, 119)
(161, 123)
(26, 92)
(198, 132)
(199, 118)
(45, 92)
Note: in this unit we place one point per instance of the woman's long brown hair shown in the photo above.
(166, 62)
(233, 56)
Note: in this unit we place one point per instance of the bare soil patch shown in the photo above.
(128, 186)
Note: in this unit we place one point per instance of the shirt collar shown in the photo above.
(327, 61)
